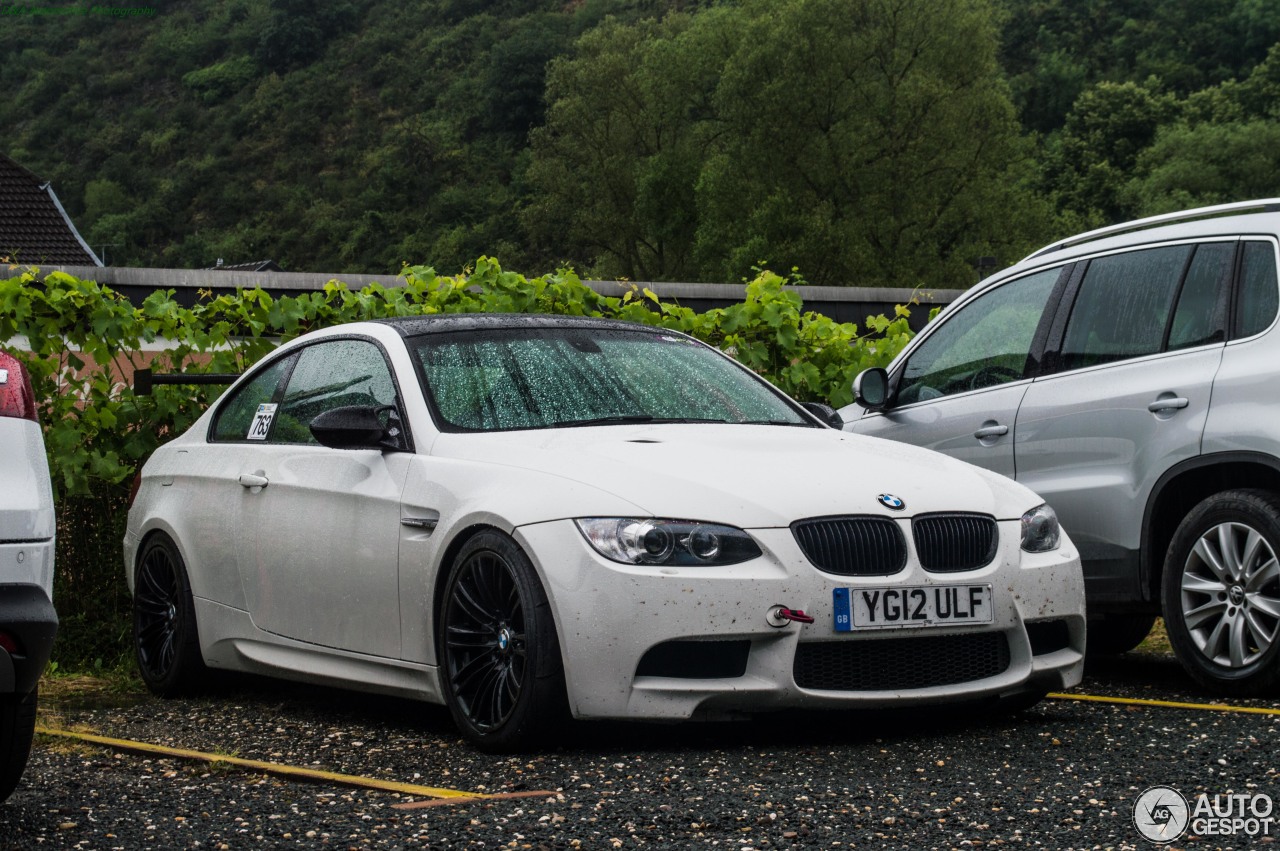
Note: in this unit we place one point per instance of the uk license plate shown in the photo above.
(911, 606)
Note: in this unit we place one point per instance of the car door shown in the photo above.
(319, 559)
(1125, 398)
(959, 389)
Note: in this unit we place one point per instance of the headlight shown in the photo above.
(1040, 530)
(638, 540)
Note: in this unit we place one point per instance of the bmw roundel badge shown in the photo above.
(892, 502)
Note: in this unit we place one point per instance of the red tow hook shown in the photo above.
(780, 616)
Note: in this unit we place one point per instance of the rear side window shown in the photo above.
(1256, 308)
(1123, 306)
(1197, 320)
(236, 417)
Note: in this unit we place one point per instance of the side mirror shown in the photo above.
(350, 427)
(871, 389)
(826, 413)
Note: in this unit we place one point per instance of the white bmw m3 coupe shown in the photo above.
(528, 518)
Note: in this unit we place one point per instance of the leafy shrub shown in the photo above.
(86, 341)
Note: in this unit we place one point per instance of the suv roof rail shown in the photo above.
(1266, 205)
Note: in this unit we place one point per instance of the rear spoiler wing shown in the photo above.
(145, 379)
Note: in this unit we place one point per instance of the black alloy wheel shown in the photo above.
(166, 642)
(501, 659)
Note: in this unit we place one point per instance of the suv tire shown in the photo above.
(1222, 592)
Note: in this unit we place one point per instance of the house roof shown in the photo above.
(255, 266)
(34, 228)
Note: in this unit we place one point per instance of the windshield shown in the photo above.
(563, 377)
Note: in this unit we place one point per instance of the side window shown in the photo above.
(331, 375)
(1123, 305)
(986, 343)
(1256, 308)
(236, 416)
(1198, 317)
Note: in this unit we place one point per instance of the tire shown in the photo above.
(165, 639)
(503, 678)
(17, 729)
(1222, 592)
(1111, 635)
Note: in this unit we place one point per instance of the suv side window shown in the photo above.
(987, 343)
(331, 375)
(237, 414)
(1197, 320)
(1256, 308)
(1123, 305)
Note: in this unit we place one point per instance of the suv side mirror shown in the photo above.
(826, 413)
(871, 389)
(355, 427)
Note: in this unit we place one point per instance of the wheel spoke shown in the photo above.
(1266, 574)
(1262, 637)
(1209, 556)
(1198, 617)
(1269, 606)
(465, 675)
(466, 600)
(1227, 549)
(466, 638)
(485, 710)
(1214, 640)
(1193, 584)
(1255, 551)
(1238, 649)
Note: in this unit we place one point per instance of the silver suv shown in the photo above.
(1131, 377)
(28, 622)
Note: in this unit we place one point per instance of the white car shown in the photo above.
(523, 517)
(28, 622)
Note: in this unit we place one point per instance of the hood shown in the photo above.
(746, 475)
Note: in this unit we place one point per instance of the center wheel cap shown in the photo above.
(1236, 594)
(504, 640)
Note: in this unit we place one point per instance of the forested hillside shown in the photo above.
(874, 142)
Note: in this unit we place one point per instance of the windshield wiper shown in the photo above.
(617, 419)
(626, 419)
(776, 422)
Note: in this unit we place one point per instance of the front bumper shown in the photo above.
(677, 642)
(28, 617)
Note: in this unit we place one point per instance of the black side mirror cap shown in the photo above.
(350, 427)
(871, 389)
(826, 413)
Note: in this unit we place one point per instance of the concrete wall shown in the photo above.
(844, 304)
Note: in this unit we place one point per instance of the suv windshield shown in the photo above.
(525, 378)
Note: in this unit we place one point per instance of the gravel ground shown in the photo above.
(1064, 775)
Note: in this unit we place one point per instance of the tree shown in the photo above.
(629, 124)
(1109, 126)
(866, 141)
(1207, 164)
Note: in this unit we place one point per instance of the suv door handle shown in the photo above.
(1170, 404)
(991, 431)
(253, 480)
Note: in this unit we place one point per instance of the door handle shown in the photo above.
(253, 480)
(1170, 404)
(991, 431)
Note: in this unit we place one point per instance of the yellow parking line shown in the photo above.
(291, 772)
(1172, 704)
